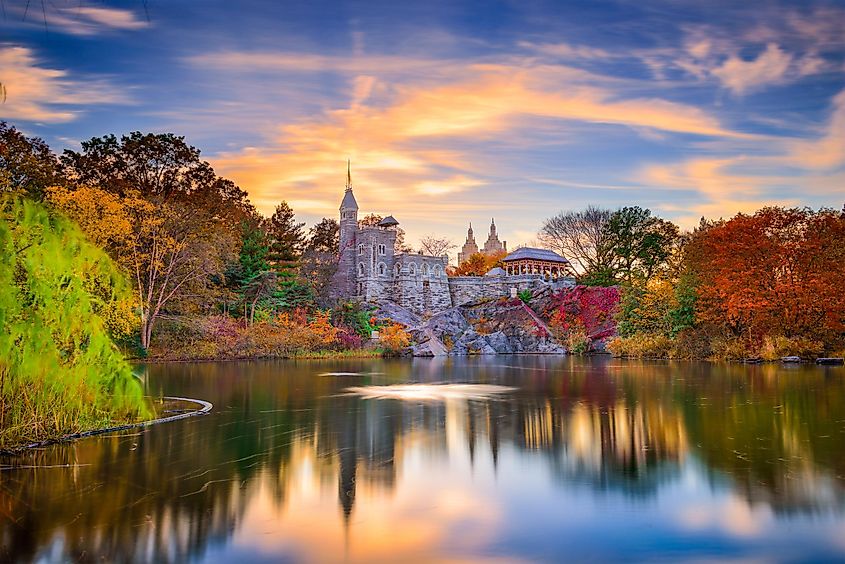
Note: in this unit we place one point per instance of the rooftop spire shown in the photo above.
(349, 174)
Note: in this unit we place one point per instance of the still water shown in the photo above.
(529, 459)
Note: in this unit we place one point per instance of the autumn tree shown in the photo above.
(478, 264)
(287, 237)
(29, 164)
(583, 238)
(168, 250)
(160, 168)
(435, 246)
(776, 272)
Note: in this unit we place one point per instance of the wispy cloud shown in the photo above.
(78, 20)
(391, 141)
(37, 93)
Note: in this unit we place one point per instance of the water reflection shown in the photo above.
(589, 459)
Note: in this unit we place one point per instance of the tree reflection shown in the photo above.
(172, 492)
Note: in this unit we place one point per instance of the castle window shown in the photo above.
(382, 250)
(397, 269)
(360, 249)
(412, 268)
(382, 269)
(425, 269)
(437, 270)
(361, 269)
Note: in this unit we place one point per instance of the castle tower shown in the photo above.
(345, 282)
(469, 248)
(493, 245)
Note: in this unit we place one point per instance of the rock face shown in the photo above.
(492, 326)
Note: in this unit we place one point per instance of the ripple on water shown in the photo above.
(431, 392)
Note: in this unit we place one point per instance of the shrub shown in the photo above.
(641, 346)
(775, 348)
(729, 348)
(525, 296)
(395, 338)
(692, 344)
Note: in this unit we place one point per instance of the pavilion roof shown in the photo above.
(531, 253)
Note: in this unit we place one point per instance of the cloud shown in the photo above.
(81, 20)
(416, 148)
(36, 93)
(744, 183)
(566, 51)
(827, 151)
(741, 76)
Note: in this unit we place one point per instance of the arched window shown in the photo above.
(425, 269)
(361, 269)
(397, 269)
(382, 269)
(361, 249)
(437, 271)
(412, 268)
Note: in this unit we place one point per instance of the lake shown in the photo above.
(528, 458)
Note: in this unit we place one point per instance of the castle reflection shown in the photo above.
(288, 462)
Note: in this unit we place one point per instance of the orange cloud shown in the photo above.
(35, 93)
(416, 153)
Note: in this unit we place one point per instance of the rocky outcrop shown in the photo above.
(500, 326)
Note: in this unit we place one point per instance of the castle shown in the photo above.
(491, 246)
(370, 269)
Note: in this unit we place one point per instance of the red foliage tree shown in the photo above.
(777, 272)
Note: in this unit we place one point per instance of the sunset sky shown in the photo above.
(455, 111)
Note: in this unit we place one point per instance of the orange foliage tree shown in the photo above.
(777, 272)
(479, 264)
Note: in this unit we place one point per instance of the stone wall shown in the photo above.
(420, 283)
(467, 289)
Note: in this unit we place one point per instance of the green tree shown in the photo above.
(60, 372)
(641, 243)
(30, 165)
(287, 237)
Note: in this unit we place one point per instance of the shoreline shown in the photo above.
(205, 408)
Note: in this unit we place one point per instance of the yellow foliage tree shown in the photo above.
(167, 250)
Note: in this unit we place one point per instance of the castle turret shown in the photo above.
(344, 283)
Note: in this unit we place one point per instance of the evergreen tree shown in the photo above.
(287, 237)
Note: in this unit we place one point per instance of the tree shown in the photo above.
(777, 272)
(324, 237)
(168, 250)
(582, 237)
(436, 246)
(160, 168)
(479, 264)
(641, 244)
(319, 261)
(60, 371)
(30, 165)
(287, 237)
(255, 249)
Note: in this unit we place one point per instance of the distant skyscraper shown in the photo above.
(491, 246)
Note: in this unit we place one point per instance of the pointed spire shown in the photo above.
(349, 174)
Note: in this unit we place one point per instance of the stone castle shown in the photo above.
(370, 268)
(491, 246)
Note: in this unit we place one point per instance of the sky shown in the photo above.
(455, 111)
